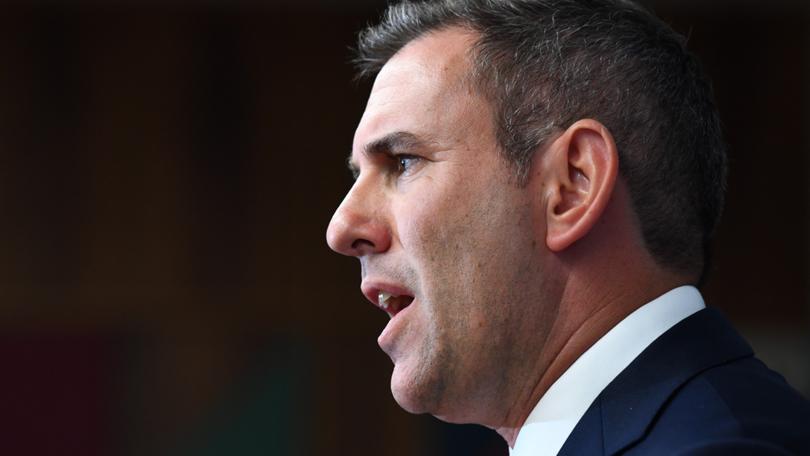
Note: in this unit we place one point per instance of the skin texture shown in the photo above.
(510, 283)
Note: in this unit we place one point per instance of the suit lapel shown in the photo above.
(622, 413)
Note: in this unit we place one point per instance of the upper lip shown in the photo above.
(371, 290)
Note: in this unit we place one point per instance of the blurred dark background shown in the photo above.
(167, 172)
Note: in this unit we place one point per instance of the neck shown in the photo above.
(590, 307)
(605, 276)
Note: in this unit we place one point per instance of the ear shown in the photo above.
(581, 165)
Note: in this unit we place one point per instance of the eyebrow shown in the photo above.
(392, 143)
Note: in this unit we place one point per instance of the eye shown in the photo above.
(406, 163)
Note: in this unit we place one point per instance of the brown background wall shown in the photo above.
(167, 172)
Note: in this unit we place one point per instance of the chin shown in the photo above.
(412, 402)
(415, 393)
(407, 403)
(417, 396)
(406, 394)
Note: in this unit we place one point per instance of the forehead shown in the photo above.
(441, 57)
(420, 87)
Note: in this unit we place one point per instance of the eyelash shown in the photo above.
(396, 165)
(400, 158)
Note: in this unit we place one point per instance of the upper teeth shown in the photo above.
(383, 299)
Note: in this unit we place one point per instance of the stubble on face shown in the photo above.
(478, 278)
(465, 238)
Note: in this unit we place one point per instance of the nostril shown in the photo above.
(361, 245)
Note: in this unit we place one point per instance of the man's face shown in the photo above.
(435, 218)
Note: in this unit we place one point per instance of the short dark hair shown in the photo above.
(544, 64)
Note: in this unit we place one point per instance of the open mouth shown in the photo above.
(393, 304)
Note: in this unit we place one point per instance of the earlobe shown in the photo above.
(584, 165)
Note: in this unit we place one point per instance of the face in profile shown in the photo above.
(447, 242)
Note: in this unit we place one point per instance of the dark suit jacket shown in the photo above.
(696, 390)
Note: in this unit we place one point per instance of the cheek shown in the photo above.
(427, 218)
(434, 232)
(467, 241)
(458, 238)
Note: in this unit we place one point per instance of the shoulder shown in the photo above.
(737, 406)
(738, 446)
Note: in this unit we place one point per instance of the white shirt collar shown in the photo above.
(566, 401)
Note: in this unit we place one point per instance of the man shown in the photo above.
(537, 183)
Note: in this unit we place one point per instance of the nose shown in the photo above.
(358, 228)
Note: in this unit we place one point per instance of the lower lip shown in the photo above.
(394, 326)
